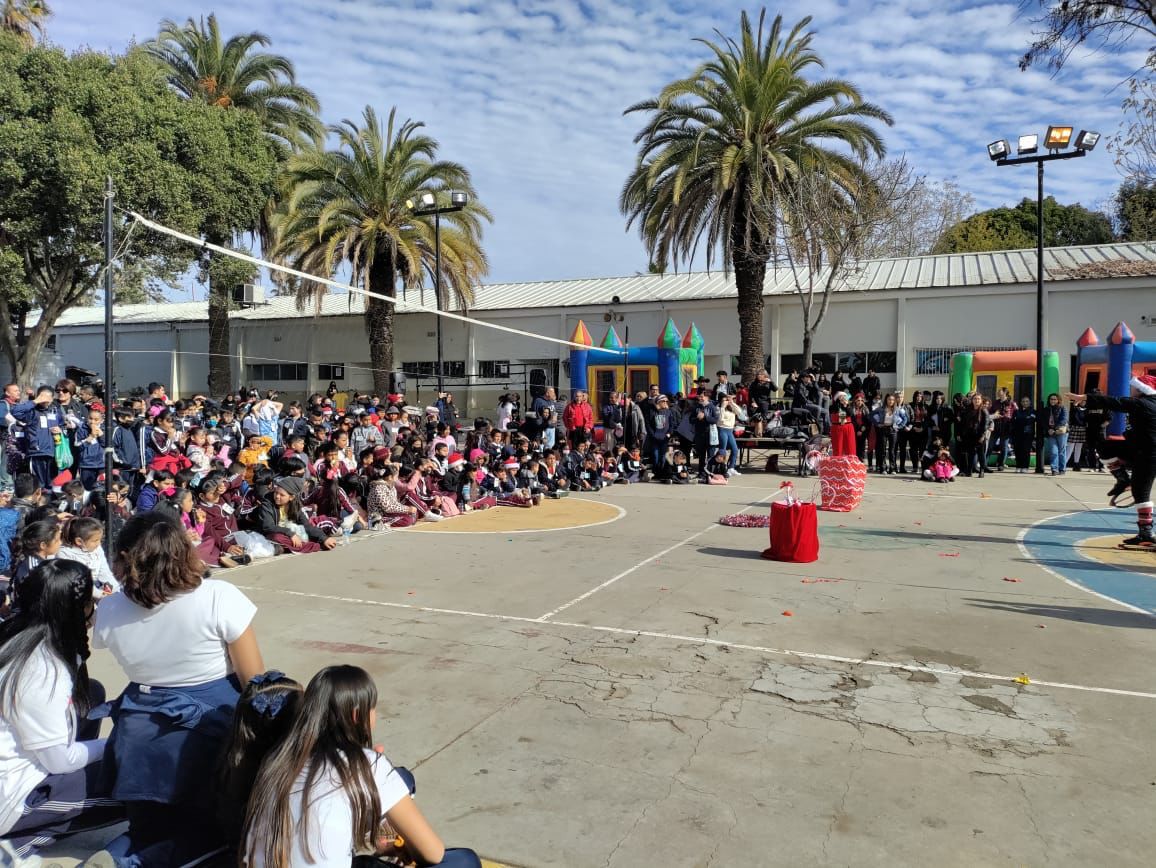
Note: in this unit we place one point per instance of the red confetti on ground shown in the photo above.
(788, 613)
(1042, 626)
(1007, 579)
(411, 593)
(919, 524)
(820, 581)
(740, 519)
(949, 554)
(664, 589)
(984, 495)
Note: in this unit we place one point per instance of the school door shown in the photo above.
(1024, 387)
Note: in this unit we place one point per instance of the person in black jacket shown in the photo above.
(1141, 410)
(760, 393)
(280, 519)
(703, 414)
(871, 387)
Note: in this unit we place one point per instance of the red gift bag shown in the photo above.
(794, 533)
(842, 480)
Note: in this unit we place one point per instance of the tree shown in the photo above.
(720, 146)
(65, 124)
(24, 19)
(1101, 25)
(1015, 228)
(918, 215)
(232, 74)
(827, 229)
(1135, 210)
(348, 204)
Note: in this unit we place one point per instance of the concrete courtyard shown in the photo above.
(635, 693)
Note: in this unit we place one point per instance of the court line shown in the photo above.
(869, 493)
(1020, 541)
(641, 564)
(621, 514)
(720, 643)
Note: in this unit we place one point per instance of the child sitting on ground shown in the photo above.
(944, 469)
(630, 467)
(385, 508)
(82, 538)
(717, 467)
(679, 468)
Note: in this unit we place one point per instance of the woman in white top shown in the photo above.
(50, 756)
(506, 408)
(324, 795)
(183, 641)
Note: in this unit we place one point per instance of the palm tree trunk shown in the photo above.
(220, 358)
(750, 267)
(379, 322)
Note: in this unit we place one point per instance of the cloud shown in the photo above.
(529, 94)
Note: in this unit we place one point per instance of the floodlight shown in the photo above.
(459, 199)
(1028, 144)
(1087, 140)
(427, 200)
(998, 150)
(1058, 137)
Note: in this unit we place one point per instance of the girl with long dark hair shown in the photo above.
(323, 793)
(50, 756)
(186, 643)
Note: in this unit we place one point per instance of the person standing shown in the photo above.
(1055, 426)
(703, 415)
(43, 425)
(729, 415)
(662, 423)
(843, 433)
(1096, 419)
(871, 387)
(545, 412)
(1023, 434)
(1141, 410)
(760, 394)
(7, 424)
(724, 387)
(579, 419)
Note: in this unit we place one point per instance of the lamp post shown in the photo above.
(1027, 147)
(425, 205)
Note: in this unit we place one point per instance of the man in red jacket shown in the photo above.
(578, 418)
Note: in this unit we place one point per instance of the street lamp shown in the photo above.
(426, 204)
(1055, 143)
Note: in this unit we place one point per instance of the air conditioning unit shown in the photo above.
(249, 294)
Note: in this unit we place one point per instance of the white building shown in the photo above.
(904, 317)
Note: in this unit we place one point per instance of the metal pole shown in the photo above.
(438, 294)
(108, 358)
(1040, 399)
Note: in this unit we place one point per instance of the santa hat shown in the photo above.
(1145, 384)
(511, 464)
(456, 460)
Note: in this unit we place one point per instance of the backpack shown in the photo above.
(783, 432)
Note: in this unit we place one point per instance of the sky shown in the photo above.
(529, 94)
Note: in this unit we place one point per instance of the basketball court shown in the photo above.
(964, 677)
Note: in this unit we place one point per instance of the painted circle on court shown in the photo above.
(568, 513)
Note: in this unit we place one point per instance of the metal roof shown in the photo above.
(915, 272)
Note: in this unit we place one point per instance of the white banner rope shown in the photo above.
(400, 304)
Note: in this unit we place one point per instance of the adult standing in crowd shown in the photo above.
(448, 410)
(633, 422)
(972, 431)
(43, 424)
(545, 412)
(703, 415)
(579, 419)
(1023, 433)
(760, 393)
(730, 414)
(1096, 419)
(8, 425)
(612, 422)
(1055, 426)
(724, 386)
(186, 644)
(663, 422)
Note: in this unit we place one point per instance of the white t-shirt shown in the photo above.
(331, 815)
(41, 716)
(181, 643)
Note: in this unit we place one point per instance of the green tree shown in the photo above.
(348, 204)
(24, 19)
(1135, 211)
(720, 147)
(234, 74)
(1015, 228)
(67, 122)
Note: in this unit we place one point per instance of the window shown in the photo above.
(50, 344)
(334, 371)
(639, 380)
(1025, 386)
(493, 369)
(936, 361)
(430, 369)
(881, 363)
(275, 371)
(847, 361)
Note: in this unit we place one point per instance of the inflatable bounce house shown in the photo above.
(1015, 370)
(674, 363)
(1111, 365)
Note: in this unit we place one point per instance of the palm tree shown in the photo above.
(235, 74)
(24, 18)
(721, 146)
(348, 204)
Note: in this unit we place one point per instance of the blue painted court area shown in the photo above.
(1053, 544)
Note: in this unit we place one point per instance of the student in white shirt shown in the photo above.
(50, 756)
(184, 642)
(324, 795)
(82, 538)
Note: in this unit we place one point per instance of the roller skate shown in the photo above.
(1123, 484)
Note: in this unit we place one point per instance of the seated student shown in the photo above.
(26, 494)
(198, 452)
(552, 476)
(928, 458)
(451, 481)
(589, 476)
(267, 708)
(382, 503)
(82, 538)
(256, 452)
(220, 524)
(324, 794)
(161, 483)
(280, 519)
(679, 468)
(944, 469)
(441, 458)
(331, 501)
(717, 465)
(607, 466)
(528, 479)
(412, 490)
(475, 488)
(39, 541)
(506, 486)
(9, 526)
(115, 496)
(329, 464)
(430, 487)
(51, 781)
(73, 497)
(630, 466)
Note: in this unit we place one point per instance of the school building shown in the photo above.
(903, 317)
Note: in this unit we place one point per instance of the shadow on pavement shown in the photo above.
(1081, 614)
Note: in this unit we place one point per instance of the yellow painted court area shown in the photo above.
(564, 514)
(1105, 550)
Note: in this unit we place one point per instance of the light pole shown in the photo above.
(1057, 139)
(425, 205)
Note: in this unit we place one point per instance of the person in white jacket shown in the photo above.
(82, 543)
